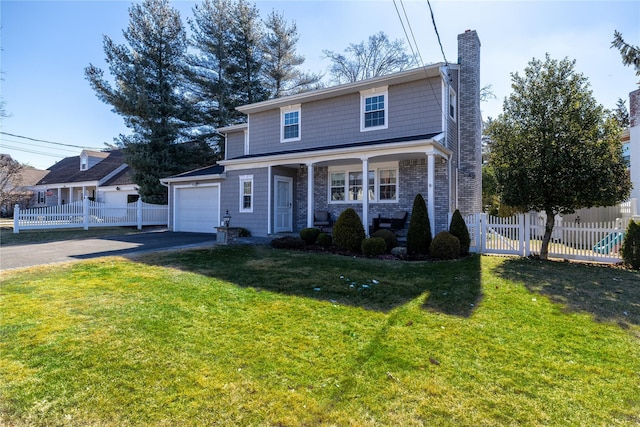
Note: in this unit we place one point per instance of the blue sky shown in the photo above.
(47, 44)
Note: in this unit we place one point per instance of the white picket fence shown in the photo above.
(522, 235)
(87, 213)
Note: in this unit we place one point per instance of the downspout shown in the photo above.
(168, 200)
(458, 123)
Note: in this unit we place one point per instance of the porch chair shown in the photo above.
(394, 223)
(322, 219)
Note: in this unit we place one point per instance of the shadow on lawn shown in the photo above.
(609, 294)
(453, 287)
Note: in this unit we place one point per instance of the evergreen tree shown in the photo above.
(630, 53)
(459, 229)
(208, 67)
(246, 56)
(621, 114)
(281, 62)
(554, 148)
(149, 93)
(419, 232)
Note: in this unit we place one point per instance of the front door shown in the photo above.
(284, 204)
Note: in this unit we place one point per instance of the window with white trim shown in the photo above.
(346, 185)
(452, 103)
(42, 197)
(84, 162)
(374, 109)
(290, 119)
(246, 193)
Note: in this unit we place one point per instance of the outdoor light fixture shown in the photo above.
(226, 219)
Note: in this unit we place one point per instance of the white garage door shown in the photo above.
(196, 209)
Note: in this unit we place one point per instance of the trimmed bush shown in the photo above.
(348, 232)
(631, 246)
(309, 235)
(288, 242)
(389, 238)
(419, 232)
(324, 240)
(445, 246)
(373, 247)
(459, 229)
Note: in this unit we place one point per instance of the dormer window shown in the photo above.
(374, 111)
(84, 162)
(290, 119)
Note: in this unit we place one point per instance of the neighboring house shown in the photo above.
(370, 145)
(16, 188)
(102, 176)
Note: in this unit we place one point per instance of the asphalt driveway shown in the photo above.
(18, 256)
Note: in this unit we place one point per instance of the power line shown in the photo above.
(25, 150)
(46, 142)
(405, 32)
(433, 20)
(34, 145)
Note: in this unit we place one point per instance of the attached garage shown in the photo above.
(197, 208)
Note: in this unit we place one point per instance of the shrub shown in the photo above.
(309, 235)
(459, 229)
(243, 232)
(324, 240)
(288, 242)
(419, 232)
(373, 247)
(445, 246)
(348, 232)
(389, 238)
(631, 246)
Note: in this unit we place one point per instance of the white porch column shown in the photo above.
(270, 201)
(431, 174)
(310, 197)
(365, 195)
(59, 196)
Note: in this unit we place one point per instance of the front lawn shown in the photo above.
(249, 335)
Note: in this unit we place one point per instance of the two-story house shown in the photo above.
(371, 145)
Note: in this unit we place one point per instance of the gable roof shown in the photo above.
(68, 170)
(428, 71)
(207, 172)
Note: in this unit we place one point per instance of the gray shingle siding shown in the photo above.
(235, 144)
(255, 221)
(413, 108)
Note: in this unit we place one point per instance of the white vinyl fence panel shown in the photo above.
(88, 214)
(522, 235)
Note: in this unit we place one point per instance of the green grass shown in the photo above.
(255, 336)
(7, 237)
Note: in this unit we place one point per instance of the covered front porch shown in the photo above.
(375, 180)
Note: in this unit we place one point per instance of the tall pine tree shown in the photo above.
(209, 65)
(246, 56)
(148, 91)
(281, 62)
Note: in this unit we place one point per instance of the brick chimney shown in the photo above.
(470, 125)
